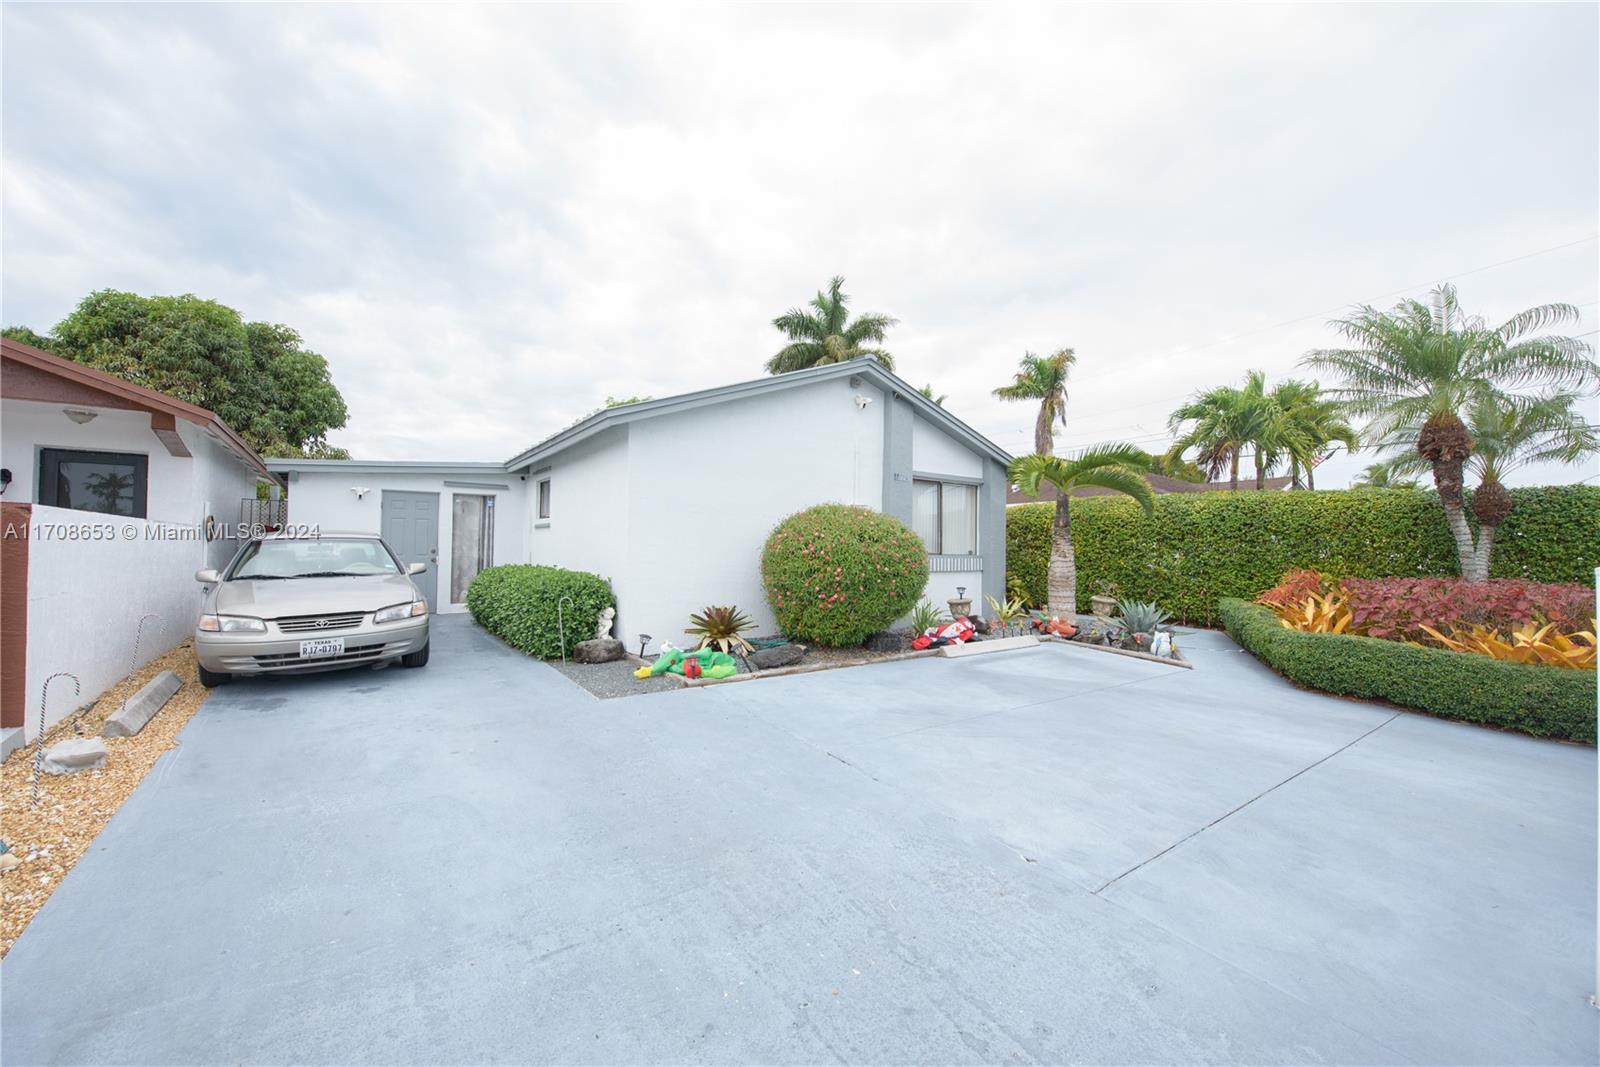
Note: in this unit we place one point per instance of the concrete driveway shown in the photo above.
(1052, 855)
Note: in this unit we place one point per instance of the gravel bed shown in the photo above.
(614, 679)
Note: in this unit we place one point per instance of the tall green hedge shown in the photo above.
(1200, 547)
(1543, 701)
(518, 603)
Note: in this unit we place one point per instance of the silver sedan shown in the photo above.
(296, 604)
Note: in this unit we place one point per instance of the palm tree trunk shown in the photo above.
(1482, 553)
(1294, 473)
(1261, 472)
(1044, 438)
(1447, 479)
(1311, 477)
(1062, 584)
(1233, 471)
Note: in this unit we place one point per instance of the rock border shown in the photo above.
(1175, 660)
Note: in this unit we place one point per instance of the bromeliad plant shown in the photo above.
(1529, 643)
(925, 616)
(720, 627)
(1006, 612)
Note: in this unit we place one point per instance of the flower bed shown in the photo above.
(1536, 700)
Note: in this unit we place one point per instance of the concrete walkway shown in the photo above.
(1043, 856)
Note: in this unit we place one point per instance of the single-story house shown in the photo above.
(112, 496)
(1161, 483)
(673, 499)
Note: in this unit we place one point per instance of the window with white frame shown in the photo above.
(945, 516)
(544, 498)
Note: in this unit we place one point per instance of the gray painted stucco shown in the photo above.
(1045, 856)
(898, 415)
(992, 528)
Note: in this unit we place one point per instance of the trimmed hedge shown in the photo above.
(835, 573)
(1543, 701)
(517, 603)
(1200, 547)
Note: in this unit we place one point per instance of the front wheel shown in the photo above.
(212, 679)
(419, 658)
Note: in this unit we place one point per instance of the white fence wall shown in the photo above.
(90, 578)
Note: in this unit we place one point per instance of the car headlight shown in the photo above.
(231, 624)
(396, 612)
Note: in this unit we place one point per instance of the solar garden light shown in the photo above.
(644, 639)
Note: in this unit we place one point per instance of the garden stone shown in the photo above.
(980, 625)
(142, 706)
(883, 641)
(598, 650)
(77, 754)
(766, 659)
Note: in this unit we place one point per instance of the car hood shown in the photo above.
(276, 598)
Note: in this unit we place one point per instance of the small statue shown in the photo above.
(603, 625)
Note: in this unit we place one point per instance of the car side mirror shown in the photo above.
(416, 568)
(207, 577)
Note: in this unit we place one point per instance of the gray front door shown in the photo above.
(411, 526)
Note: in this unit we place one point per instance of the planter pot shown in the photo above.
(958, 608)
(1103, 606)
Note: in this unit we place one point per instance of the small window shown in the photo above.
(544, 498)
(113, 483)
(945, 516)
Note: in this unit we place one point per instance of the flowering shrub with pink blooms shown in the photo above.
(835, 573)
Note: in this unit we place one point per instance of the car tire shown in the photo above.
(419, 658)
(212, 679)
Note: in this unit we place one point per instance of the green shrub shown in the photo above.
(1199, 547)
(836, 573)
(1543, 701)
(517, 603)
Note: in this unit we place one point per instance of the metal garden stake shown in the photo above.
(38, 742)
(561, 624)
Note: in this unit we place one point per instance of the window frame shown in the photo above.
(48, 471)
(975, 488)
(541, 499)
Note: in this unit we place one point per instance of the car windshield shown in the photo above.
(313, 558)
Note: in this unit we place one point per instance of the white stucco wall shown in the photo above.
(87, 593)
(324, 499)
(590, 505)
(706, 487)
(935, 452)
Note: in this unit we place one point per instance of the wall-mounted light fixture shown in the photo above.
(862, 402)
(360, 491)
(79, 415)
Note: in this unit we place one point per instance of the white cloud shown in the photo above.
(491, 218)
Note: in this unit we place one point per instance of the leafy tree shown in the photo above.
(257, 376)
(26, 336)
(827, 334)
(1506, 435)
(1043, 378)
(1414, 370)
(1117, 467)
(927, 391)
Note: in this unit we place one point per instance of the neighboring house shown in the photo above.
(1159, 482)
(107, 489)
(673, 499)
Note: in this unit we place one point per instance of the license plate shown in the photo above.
(322, 646)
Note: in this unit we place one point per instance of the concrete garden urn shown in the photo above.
(960, 606)
(1103, 606)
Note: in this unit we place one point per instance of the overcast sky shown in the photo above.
(490, 219)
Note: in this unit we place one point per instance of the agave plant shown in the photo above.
(720, 628)
(1141, 617)
(925, 616)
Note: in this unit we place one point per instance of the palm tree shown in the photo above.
(827, 334)
(1506, 436)
(1315, 422)
(1226, 419)
(1043, 378)
(1382, 476)
(927, 391)
(1418, 367)
(1111, 466)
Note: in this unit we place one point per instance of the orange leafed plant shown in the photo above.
(1530, 643)
(1317, 613)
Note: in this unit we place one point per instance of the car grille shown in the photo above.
(319, 624)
